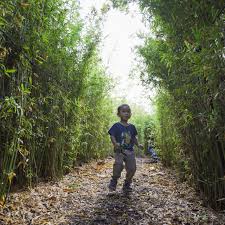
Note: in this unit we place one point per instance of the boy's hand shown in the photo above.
(117, 146)
(141, 146)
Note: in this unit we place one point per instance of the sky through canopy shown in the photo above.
(117, 51)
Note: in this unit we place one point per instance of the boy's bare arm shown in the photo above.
(114, 142)
(137, 144)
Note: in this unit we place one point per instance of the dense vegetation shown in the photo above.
(185, 61)
(54, 106)
(53, 91)
(145, 125)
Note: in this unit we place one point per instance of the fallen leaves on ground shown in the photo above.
(82, 198)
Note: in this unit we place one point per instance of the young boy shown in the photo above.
(123, 137)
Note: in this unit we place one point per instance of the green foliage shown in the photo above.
(186, 62)
(143, 122)
(167, 137)
(53, 91)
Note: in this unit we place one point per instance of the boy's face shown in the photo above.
(125, 113)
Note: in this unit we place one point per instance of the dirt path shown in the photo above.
(82, 198)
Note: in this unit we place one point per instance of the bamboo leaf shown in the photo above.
(10, 71)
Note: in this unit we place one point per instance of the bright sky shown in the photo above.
(117, 51)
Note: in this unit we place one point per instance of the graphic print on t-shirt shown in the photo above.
(126, 139)
(125, 135)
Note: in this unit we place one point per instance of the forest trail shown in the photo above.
(81, 197)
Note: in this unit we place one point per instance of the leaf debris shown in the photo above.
(81, 197)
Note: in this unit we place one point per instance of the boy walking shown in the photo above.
(123, 137)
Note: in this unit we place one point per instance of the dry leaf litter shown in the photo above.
(82, 198)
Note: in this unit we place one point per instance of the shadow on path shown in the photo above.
(158, 199)
(116, 208)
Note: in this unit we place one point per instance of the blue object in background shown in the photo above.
(152, 153)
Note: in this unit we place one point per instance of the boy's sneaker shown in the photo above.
(127, 187)
(112, 185)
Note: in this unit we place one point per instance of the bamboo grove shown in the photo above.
(54, 104)
(53, 91)
(185, 61)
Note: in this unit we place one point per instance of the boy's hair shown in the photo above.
(121, 106)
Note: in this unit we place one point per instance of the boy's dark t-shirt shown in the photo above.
(124, 135)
